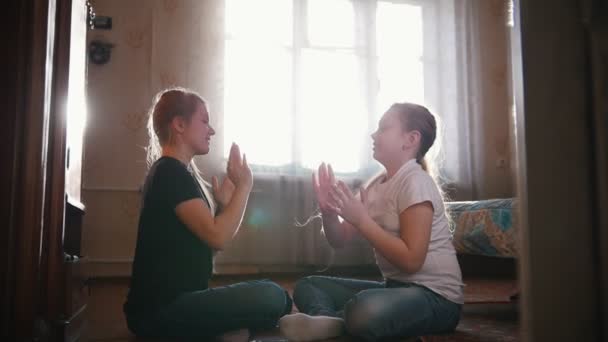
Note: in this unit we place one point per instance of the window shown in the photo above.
(307, 80)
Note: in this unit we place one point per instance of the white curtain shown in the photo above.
(287, 115)
(458, 72)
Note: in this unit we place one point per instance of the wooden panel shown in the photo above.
(76, 289)
(30, 164)
(597, 20)
(74, 328)
(12, 67)
(31, 218)
(558, 268)
(52, 265)
(74, 213)
(64, 291)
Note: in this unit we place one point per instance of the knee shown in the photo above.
(303, 286)
(274, 298)
(363, 317)
(304, 283)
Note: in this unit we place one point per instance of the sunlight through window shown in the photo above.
(259, 21)
(299, 89)
(333, 120)
(399, 48)
(331, 23)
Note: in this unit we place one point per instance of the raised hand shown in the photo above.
(347, 205)
(222, 193)
(322, 181)
(237, 169)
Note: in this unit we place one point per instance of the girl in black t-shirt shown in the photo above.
(181, 223)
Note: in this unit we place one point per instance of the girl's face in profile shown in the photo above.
(198, 132)
(389, 138)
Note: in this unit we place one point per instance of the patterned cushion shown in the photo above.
(485, 227)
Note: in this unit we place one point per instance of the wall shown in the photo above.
(119, 94)
(492, 174)
(151, 51)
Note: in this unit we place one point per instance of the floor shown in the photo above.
(488, 314)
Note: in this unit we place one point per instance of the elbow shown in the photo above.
(415, 268)
(215, 241)
(411, 262)
(216, 245)
(411, 267)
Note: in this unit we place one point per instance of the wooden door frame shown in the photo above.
(558, 184)
(53, 268)
(34, 77)
(32, 191)
(595, 17)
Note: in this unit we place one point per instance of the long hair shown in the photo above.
(168, 104)
(414, 117)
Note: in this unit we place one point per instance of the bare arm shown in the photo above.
(219, 230)
(406, 251)
(215, 231)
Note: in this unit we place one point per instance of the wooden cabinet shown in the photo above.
(67, 290)
(71, 322)
(42, 289)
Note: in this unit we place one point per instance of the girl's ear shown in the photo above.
(414, 137)
(411, 138)
(178, 124)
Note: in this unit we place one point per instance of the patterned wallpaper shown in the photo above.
(495, 130)
(153, 48)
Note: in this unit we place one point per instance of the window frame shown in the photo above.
(364, 47)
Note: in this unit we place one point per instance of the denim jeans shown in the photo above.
(251, 305)
(377, 310)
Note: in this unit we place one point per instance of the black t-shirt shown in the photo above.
(169, 258)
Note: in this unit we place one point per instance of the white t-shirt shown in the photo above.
(385, 201)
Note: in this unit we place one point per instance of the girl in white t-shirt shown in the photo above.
(402, 215)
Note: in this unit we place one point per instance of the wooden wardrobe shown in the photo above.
(42, 286)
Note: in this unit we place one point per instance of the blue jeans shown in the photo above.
(375, 310)
(251, 305)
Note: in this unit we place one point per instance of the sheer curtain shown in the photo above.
(297, 82)
(307, 81)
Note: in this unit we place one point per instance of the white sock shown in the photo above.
(241, 335)
(302, 327)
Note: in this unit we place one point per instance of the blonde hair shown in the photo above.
(168, 104)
